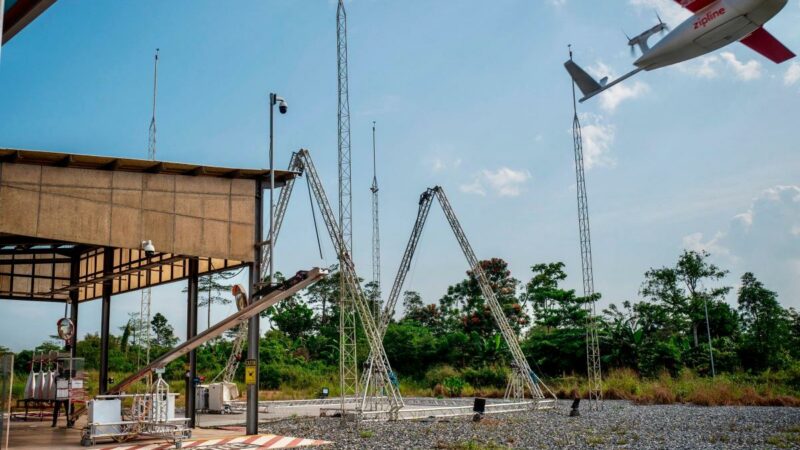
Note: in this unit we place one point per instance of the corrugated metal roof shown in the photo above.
(45, 158)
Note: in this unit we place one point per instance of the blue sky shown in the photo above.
(470, 95)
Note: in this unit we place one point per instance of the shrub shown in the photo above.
(486, 376)
(454, 386)
(438, 374)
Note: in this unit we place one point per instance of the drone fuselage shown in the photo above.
(713, 27)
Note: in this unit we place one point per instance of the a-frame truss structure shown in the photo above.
(523, 382)
(389, 401)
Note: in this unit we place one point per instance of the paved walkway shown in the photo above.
(257, 442)
(39, 435)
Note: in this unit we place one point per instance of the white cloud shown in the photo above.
(792, 74)
(668, 10)
(714, 246)
(475, 187)
(764, 239)
(702, 67)
(747, 71)
(557, 3)
(629, 89)
(439, 164)
(504, 182)
(712, 66)
(598, 135)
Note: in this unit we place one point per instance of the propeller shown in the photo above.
(664, 27)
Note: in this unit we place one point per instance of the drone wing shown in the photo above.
(766, 44)
(694, 5)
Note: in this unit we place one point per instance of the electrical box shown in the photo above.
(105, 411)
(201, 397)
(220, 394)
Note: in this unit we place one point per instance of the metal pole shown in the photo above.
(191, 331)
(74, 276)
(271, 191)
(708, 332)
(253, 323)
(105, 317)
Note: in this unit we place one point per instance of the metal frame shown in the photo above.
(593, 369)
(348, 354)
(522, 376)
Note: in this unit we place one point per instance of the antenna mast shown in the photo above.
(348, 369)
(144, 308)
(594, 374)
(376, 236)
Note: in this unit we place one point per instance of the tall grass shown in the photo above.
(771, 388)
(768, 389)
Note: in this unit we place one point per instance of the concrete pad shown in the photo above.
(39, 435)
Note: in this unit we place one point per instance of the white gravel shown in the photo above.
(619, 425)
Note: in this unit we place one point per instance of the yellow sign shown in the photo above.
(250, 371)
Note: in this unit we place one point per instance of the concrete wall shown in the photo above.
(185, 215)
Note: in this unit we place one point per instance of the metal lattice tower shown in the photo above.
(522, 377)
(144, 308)
(389, 401)
(376, 232)
(593, 369)
(348, 364)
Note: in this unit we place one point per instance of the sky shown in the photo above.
(469, 95)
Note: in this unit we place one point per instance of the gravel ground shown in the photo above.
(620, 425)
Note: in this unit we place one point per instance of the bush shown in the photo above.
(454, 386)
(486, 376)
(438, 374)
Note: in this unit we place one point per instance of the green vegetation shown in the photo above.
(654, 350)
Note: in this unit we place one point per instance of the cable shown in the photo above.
(314, 216)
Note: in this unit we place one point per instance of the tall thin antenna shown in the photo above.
(144, 307)
(376, 234)
(593, 370)
(348, 364)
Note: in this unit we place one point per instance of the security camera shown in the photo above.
(148, 247)
(282, 105)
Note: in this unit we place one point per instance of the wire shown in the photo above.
(314, 216)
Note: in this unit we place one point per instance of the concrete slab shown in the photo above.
(39, 435)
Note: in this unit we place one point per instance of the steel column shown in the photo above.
(191, 331)
(105, 317)
(73, 302)
(253, 330)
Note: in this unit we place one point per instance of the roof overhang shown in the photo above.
(58, 159)
(17, 14)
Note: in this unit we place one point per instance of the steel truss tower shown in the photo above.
(376, 232)
(388, 400)
(143, 326)
(522, 377)
(348, 369)
(593, 369)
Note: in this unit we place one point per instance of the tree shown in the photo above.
(416, 311)
(293, 317)
(557, 341)
(163, 333)
(766, 326)
(210, 289)
(794, 332)
(466, 302)
(682, 290)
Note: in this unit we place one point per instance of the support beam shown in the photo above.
(253, 330)
(105, 317)
(191, 331)
(73, 301)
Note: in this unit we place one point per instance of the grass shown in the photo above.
(790, 438)
(473, 444)
(687, 387)
(366, 434)
(768, 389)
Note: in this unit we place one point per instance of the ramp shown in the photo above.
(263, 299)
